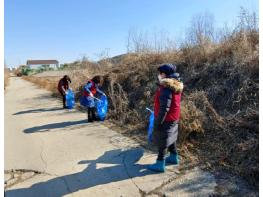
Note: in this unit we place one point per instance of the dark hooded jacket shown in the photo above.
(167, 111)
(63, 84)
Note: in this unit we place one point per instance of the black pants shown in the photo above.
(63, 99)
(91, 114)
(162, 152)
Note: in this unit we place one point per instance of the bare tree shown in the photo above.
(201, 29)
(247, 21)
(139, 41)
(223, 34)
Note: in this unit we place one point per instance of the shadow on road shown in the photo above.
(51, 126)
(39, 110)
(123, 166)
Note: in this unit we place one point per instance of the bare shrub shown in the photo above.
(192, 121)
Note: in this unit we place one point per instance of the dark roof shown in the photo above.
(36, 62)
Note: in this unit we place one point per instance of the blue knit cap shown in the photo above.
(167, 69)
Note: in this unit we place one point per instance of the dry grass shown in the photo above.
(44, 82)
(7, 76)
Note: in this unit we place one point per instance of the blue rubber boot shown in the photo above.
(172, 159)
(159, 166)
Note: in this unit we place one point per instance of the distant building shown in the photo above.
(38, 63)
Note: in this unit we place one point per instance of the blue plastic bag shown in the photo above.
(82, 101)
(151, 126)
(87, 101)
(102, 107)
(70, 99)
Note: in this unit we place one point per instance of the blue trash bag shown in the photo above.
(83, 101)
(150, 127)
(102, 107)
(70, 99)
(87, 101)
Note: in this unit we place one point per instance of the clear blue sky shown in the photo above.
(68, 29)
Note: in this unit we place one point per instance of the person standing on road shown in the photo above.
(90, 91)
(63, 86)
(166, 116)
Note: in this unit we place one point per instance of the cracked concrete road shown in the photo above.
(73, 157)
